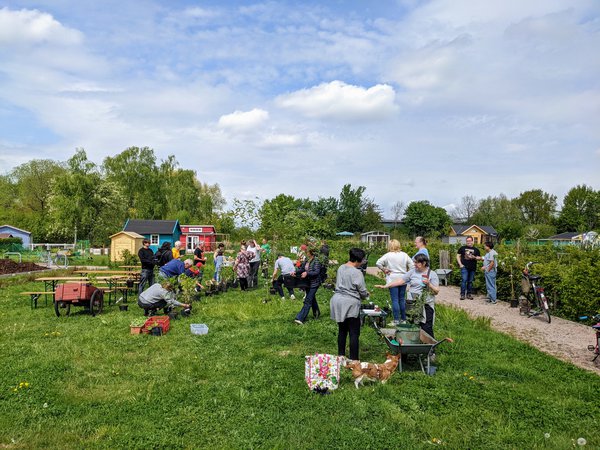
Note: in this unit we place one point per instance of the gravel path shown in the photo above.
(562, 338)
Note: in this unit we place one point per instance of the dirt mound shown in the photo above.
(9, 266)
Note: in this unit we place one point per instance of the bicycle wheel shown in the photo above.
(543, 305)
(61, 261)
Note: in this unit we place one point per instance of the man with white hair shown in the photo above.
(174, 268)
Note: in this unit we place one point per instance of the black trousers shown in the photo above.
(427, 326)
(350, 326)
(253, 277)
(243, 283)
(284, 280)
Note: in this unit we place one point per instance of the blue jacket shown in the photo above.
(173, 268)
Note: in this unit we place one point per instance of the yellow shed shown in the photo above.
(124, 240)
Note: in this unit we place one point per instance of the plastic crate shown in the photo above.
(161, 321)
(198, 328)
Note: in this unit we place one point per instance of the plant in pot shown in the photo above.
(410, 332)
(136, 325)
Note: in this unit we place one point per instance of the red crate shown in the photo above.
(161, 321)
(74, 292)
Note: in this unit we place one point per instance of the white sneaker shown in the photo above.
(298, 322)
(292, 297)
(282, 298)
(395, 323)
(403, 322)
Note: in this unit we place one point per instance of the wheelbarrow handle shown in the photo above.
(439, 342)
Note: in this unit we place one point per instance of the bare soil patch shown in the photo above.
(8, 266)
(561, 338)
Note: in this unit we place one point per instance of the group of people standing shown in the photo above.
(247, 262)
(467, 258)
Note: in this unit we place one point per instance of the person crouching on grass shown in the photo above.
(420, 279)
(159, 295)
(350, 289)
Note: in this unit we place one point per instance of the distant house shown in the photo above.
(375, 237)
(391, 223)
(156, 231)
(567, 238)
(480, 234)
(8, 231)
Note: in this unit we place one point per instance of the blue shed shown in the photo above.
(156, 231)
(7, 231)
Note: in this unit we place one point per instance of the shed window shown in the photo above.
(154, 239)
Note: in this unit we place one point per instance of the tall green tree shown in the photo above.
(33, 182)
(350, 209)
(501, 213)
(273, 213)
(580, 211)
(421, 218)
(85, 205)
(536, 206)
(141, 181)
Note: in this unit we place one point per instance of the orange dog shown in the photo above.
(373, 372)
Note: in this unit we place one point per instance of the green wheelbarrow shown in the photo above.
(422, 347)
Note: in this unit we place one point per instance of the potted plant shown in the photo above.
(136, 325)
(410, 332)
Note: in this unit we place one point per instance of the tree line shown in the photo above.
(61, 201)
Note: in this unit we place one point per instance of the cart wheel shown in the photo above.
(96, 302)
(62, 308)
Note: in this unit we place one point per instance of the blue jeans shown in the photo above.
(147, 276)
(309, 302)
(490, 284)
(398, 295)
(466, 284)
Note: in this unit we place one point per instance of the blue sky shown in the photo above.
(416, 100)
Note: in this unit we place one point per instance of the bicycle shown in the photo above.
(59, 260)
(535, 294)
(594, 348)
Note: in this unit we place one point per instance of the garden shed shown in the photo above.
(8, 231)
(156, 231)
(375, 237)
(124, 240)
(480, 234)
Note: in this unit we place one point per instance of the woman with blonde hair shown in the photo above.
(394, 264)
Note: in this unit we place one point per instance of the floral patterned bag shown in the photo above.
(322, 371)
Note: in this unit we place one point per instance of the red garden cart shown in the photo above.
(78, 294)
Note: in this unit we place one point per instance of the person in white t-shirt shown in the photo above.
(394, 264)
(254, 262)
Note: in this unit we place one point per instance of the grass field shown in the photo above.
(84, 382)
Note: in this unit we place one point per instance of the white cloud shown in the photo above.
(34, 27)
(244, 121)
(278, 140)
(340, 101)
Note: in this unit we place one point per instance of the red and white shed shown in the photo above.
(192, 234)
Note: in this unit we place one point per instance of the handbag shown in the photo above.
(322, 371)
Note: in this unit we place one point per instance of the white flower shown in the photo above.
(581, 442)
(45, 405)
(547, 435)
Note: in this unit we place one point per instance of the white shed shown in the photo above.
(375, 237)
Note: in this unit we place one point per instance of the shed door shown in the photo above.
(191, 242)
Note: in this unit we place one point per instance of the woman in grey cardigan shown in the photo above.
(350, 289)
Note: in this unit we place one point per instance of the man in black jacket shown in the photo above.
(146, 256)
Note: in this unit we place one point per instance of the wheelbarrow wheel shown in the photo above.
(62, 308)
(96, 302)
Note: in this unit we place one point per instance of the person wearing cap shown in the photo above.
(284, 274)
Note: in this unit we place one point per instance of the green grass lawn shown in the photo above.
(90, 384)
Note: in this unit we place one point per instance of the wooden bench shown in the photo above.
(36, 295)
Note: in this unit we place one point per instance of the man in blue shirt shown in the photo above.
(174, 268)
